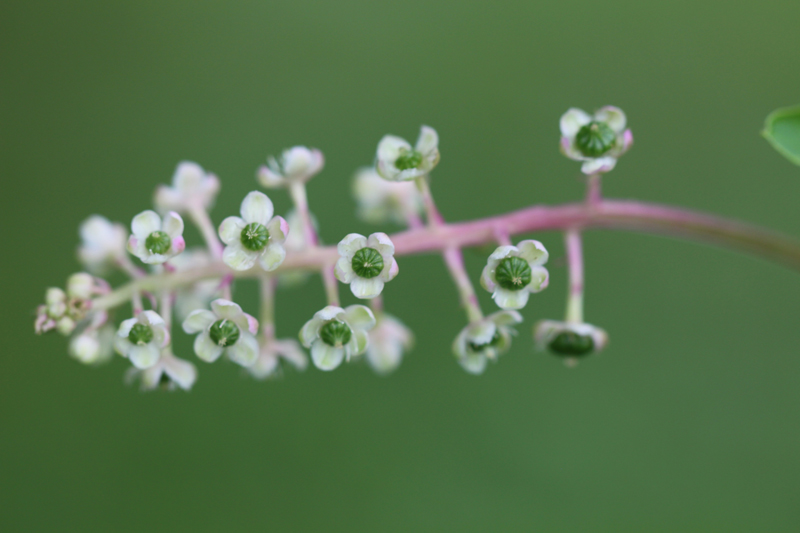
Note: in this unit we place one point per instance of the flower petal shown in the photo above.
(236, 257)
(270, 179)
(173, 224)
(257, 207)
(150, 318)
(226, 309)
(487, 278)
(381, 242)
(272, 257)
(361, 341)
(290, 350)
(326, 357)
(601, 165)
(506, 299)
(126, 326)
(533, 252)
(344, 270)
(505, 318)
(245, 351)
(390, 146)
(428, 141)
(474, 363)
(230, 231)
(613, 116)
(310, 331)
(501, 252)
(366, 288)
(359, 317)
(182, 373)
(145, 223)
(252, 323)
(540, 279)
(481, 332)
(206, 349)
(390, 270)
(352, 243)
(572, 121)
(144, 356)
(198, 320)
(278, 229)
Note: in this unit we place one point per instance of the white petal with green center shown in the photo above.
(382, 243)
(236, 257)
(366, 288)
(245, 351)
(198, 320)
(428, 142)
(326, 357)
(145, 223)
(506, 299)
(272, 257)
(359, 317)
(613, 116)
(257, 207)
(144, 356)
(572, 121)
(540, 278)
(352, 243)
(533, 252)
(126, 326)
(206, 349)
(344, 270)
(230, 231)
(390, 146)
(173, 224)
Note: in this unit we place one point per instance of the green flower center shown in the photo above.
(595, 138)
(572, 344)
(140, 334)
(158, 242)
(224, 332)
(513, 273)
(335, 333)
(254, 236)
(367, 263)
(408, 159)
(494, 341)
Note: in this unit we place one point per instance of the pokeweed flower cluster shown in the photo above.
(194, 287)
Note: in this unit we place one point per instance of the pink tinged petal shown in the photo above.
(572, 121)
(126, 326)
(144, 356)
(252, 323)
(198, 321)
(601, 165)
(600, 338)
(533, 252)
(359, 317)
(145, 223)
(326, 357)
(501, 252)
(317, 162)
(178, 246)
(428, 141)
(245, 351)
(236, 257)
(226, 309)
(272, 257)
(344, 271)
(206, 349)
(366, 288)
(613, 116)
(568, 148)
(352, 243)
(540, 279)
(505, 318)
(257, 207)
(506, 299)
(172, 224)
(230, 231)
(297, 162)
(269, 179)
(182, 373)
(390, 270)
(487, 279)
(278, 229)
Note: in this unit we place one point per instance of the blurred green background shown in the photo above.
(688, 422)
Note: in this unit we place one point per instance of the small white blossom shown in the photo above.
(336, 334)
(484, 340)
(366, 264)
(192, 188)
(92, 347)
(298, 164)
(512, 273)
(272, 351)
(569, 340)
(141, 339)
(256, 236)
(63, 310)
(169, 372)
(598, 140)
(388, 341)
(397, 161)
(102, 242)
(156, 241)
(226, 328)
(380, 200)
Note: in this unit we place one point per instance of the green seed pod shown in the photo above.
(408, 159)
(569, 343)
(367, 263)
(224, 332)
(595, 139)
(140, 334)
(254, 236)
(158, 242)
(513, 273)
(494, 341)
(335, 333)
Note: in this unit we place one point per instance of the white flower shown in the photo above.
(272, 351)
(102, 242)
(335, 334)
(256, 236)
(226, 328)
(597, 140)
(63, 310)
(397, 161)
(156, 241)
(569, 340)
(169, 372)
(380, 200)
(388, 340)
(512, 273)
(192, 188)
(92, 347)
(141, 339)
(298, 164)
(366, 264)
(197, 295)
(484, 340)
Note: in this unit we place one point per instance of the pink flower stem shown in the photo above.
(376, 304)
(434, 217)
(267, 318)
(203, 222)
(297, 191)
(331, 285)
(594, 193)
(454, 260)
(572, 240)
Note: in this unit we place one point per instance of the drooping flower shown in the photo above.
(380, 200)
(102, 242)
(63, 310)
(141, 339)
(598, 140)
(388, 341)
(336, 334)
(298, 164)
(484, 340)
(226, 328)
(256, 236)
(512, 273)
(272, 351)
(93, 346)
(156, 241)
(569, 340)
(366, 264)
(398, 161)
(169, 372)
(192, 188)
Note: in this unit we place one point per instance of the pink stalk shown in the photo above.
(572, 240)
(201, 219)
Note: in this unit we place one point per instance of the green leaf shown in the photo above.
(782, 130)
